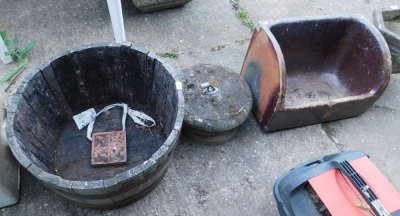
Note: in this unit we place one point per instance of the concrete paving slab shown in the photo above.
(235, 178)
(275, 9)
(375, 132)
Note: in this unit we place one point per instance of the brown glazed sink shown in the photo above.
(308, 70)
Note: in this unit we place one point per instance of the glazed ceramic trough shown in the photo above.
(308, 70)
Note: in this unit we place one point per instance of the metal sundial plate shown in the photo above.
(225, 109)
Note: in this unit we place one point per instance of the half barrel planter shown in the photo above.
(308, 70)
(387, 20)
(45, 140)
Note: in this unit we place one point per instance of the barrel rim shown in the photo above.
(79, 187)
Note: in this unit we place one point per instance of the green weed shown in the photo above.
(16, 52)
(242, 41)
(242, 14)
(169, 55)
(236, 5)
(172, 54)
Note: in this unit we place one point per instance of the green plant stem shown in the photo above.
(10, 75)
(20, 54)
(13, 79)
(23, 64)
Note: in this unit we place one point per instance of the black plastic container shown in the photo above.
(325, 186)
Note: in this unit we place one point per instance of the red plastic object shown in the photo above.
(345, 183)
(341, 197)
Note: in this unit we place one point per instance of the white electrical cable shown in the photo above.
(89, 116)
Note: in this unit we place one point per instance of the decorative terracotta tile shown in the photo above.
(109, 148)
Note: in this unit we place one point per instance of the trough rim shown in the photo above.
(266, 25)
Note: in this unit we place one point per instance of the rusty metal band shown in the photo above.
(125, 202)
(121, 191)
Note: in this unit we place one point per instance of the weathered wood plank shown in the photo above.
(76, 200)
(26, 80)
(95, 80)
(10, 119)
(105, 58)
(81, 75)
(95, 76)
(134, 62)
(137, 183)
(27, 154)
(69, 164)
(166, 149)
(74, 148)
(69, 168)
(89, 188)
(35, 155)
(65, 75)
(180, 110)
(56, 182)
(141, 146)
(32, 144)
(170, 106)
(70, 131)
(81, 170)
(124, 179)
(143, 77)
(48, 74)
(148, 183)
(159, 90)
(118, 72)
(148, 77)
(38, 94)
(19, 151)
(34, 124)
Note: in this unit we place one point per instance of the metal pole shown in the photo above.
(115, 9)
(3, 48)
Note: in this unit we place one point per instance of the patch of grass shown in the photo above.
(236, 5)
(172, 54)
(169, 55)
(242, 41)
(242, 14)
(249, 24)
(217, 48)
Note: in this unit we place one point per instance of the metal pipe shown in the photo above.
(3, 48)
(115, 9)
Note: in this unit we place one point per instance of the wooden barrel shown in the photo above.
(45, 140)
